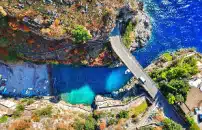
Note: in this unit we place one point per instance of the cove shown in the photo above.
(176, 24)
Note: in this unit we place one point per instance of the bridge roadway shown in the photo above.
(149, 85)
(133, 65)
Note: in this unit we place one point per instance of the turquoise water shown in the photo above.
(80, 85)
(176, 24)
(84, 94)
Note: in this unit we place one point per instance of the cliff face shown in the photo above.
(48, 30)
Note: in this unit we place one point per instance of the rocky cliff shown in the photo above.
(69, 31)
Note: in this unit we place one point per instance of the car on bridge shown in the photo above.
(142, 80)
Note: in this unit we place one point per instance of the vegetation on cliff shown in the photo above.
(172, 72)
(171, 125)
(80, 34)
(172, 80)
(129, 35)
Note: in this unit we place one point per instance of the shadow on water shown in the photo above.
(80, 85)
(24, 80)
(73, 84)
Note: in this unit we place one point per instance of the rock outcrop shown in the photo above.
(140, 20)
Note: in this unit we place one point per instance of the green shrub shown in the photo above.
(112, 121)
(139, 109)
(16, 114)
(80, 34)
(123, 114)
(90, 123)
(194, 126)
(171, 98)
(27, 101)
(167, 56)
(192, 123)
(20, 107)
(78, 125)
(3, 119)
(171, 125)
(47, 111)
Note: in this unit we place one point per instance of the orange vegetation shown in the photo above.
(24, 28)
(102, 125)
(54, 30)
(15, 26)
(62, 126)
(30, 41)
(158, 128)
(28, 13)
(159, 117)
(20, 125)
(99, 59)
(35, 118)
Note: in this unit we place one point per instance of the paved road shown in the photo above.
(138, 72)
(133, 65)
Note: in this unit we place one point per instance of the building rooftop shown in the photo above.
(194, 99)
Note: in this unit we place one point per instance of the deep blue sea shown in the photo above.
(176, 24)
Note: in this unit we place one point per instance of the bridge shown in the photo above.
(137, 70)
(133, 65)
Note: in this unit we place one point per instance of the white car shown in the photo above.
(142, 80)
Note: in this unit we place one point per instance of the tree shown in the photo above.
(171, 125)
(80, 34)
(181, 86)
(179, 98)
(171, 98)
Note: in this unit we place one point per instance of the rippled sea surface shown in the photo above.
(176, 24)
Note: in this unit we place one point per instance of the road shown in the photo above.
(133, 65)
(138, 71)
